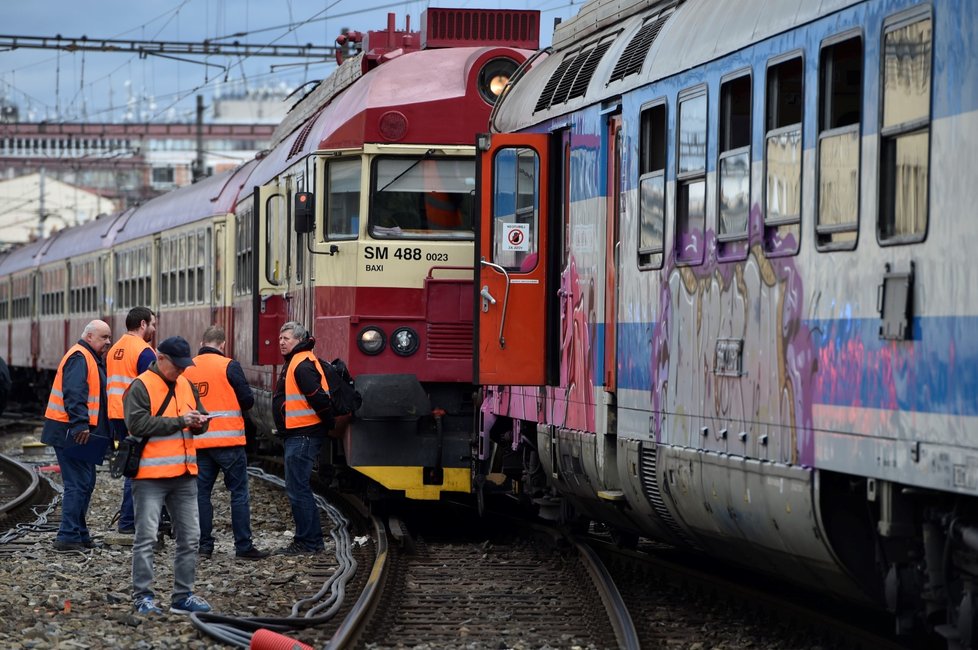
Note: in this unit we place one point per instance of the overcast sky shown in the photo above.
(96, 86)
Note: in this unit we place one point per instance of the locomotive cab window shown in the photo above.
(905, 131)
(515, 209)
(733, 166)
(343, 198)
(691, 178)
(277, 228)
(422, 198)
(782, 156)
(652, 187)
(840, 114)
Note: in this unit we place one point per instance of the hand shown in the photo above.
(195, 419)
(82, 436)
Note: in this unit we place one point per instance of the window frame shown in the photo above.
(730, 238)
(892, 133)
(652, 258)
(327, 203)
(773, 225)
(820, 230)
(684, 179)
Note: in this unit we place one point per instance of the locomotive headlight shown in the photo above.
(371, 340)
(493, 78)
(404, 341)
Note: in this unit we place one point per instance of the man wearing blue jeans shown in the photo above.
(76, 424)
(225, 393)
(302, 410)
(163, 409)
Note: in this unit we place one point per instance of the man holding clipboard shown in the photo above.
(76, 424)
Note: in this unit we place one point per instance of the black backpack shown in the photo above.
(342, 387)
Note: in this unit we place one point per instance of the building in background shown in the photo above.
(35, 205)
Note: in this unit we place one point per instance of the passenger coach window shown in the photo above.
(691, 179)
(515, 209)
(733, 207)
(905, 132)
(422, 198)
(782, 157)
(840, 113)
(244, 256)
(343, 199)
(652, 186)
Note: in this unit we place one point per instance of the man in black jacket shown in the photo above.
(302, 409)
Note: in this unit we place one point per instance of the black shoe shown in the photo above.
(91, 543)
(296, 548)
(252, 554)
(69, 546)
(158, 546)
(127, 531)
(205, 553)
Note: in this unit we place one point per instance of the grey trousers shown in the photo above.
(180, 496)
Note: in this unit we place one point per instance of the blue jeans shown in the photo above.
(180, 496)
(300, 456)
(234, 463)
(78, 477)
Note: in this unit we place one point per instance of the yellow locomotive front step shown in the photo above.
(411, 480)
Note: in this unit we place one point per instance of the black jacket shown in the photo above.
(309, 381)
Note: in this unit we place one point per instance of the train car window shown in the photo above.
(516, 209)
(165, 262)
(422, 198)
(652, 187)
(839, 118)
(276, 226)
(191, 268)
(782, 156)
(905, 131)
(203, 271)
(342, 208)
(691, 179)
(181, 271)
(733, 167)
(243, 252)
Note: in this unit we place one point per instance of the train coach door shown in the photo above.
(513, 259)
(271, 237)
(612, 254)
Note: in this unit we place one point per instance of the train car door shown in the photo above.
(513, 259)
(612, 254)
(271, 237)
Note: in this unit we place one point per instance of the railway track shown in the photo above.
(678, 600)
(525, 588)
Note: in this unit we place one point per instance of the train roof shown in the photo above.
(89, 237)
(25, 257)
(678, 35)
(409, 85)
(214, 195)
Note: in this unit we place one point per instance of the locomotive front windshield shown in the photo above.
(422, 197)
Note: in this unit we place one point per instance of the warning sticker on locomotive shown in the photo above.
(516, 237)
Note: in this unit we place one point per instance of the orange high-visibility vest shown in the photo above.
(440, 210)
(210, 375)
(121, 368)
(56, 402)
(298, 412)
(174, 454)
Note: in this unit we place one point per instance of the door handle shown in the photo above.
(487, 298)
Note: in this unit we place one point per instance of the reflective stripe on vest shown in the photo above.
(210, 375)
(56, 402)
(298, 412)
(121, 367)
(174, 454)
